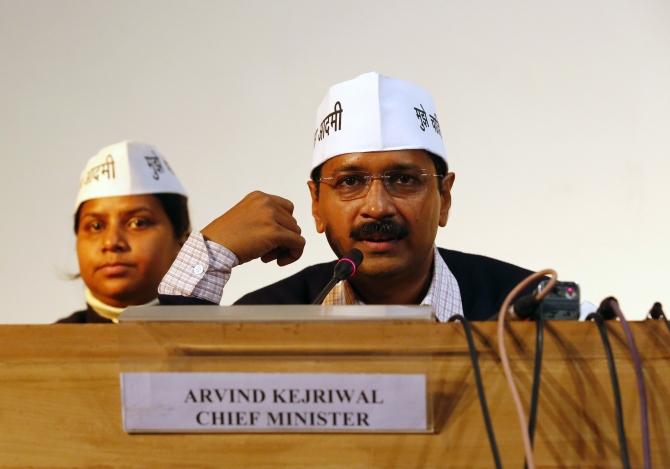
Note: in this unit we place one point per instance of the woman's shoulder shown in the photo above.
(82, 317)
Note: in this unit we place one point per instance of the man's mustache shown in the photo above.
(375, 230)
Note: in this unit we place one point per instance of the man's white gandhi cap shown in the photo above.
(127, 168)
(374, 112)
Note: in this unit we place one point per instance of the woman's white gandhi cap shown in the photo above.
(374, 112)
(127, 168)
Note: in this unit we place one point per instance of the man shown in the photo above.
(379, 183)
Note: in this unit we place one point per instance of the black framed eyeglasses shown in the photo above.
(400, 183)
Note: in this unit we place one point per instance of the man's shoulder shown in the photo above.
(483, 281)
(299, 288)
(476, 264)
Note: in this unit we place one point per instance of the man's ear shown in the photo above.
(445, 195)
(314, 192)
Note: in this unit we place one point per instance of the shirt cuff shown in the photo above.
(202, 268)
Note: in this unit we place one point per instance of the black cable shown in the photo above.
(639, 380)
(666, 321)
(480, 387)
(656, 312)
(537, 368)
(623, 446)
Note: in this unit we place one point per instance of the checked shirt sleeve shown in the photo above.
(201, 270)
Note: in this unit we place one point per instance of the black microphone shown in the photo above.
(345, 268)
(606, 308)
(656, 311)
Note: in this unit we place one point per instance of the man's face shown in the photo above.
(395, 233)
(125, 245)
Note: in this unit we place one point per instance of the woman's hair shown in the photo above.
(175, 207)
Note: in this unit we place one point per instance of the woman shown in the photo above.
(131, 220)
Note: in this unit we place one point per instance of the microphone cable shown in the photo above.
(614, 379)
(537, 369)
(639, 378)
(529, 306)
(480, 387)
(504, 309)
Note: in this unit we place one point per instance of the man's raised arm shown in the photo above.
(259, 226)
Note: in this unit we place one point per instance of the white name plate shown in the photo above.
(273, 402)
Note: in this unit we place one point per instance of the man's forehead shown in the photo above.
(379, 160)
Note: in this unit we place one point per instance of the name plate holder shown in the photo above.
(276, 369)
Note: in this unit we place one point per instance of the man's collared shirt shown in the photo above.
(443, 294)
(203, 268)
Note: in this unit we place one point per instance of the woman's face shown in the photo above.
(125, 245)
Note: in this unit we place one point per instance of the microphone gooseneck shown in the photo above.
(345, 268)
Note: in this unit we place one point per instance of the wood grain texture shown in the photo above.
(60, 400)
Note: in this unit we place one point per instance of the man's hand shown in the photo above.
(260, 225)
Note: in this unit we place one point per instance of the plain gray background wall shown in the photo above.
(556, 118)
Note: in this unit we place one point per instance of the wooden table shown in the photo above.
(60, 399)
